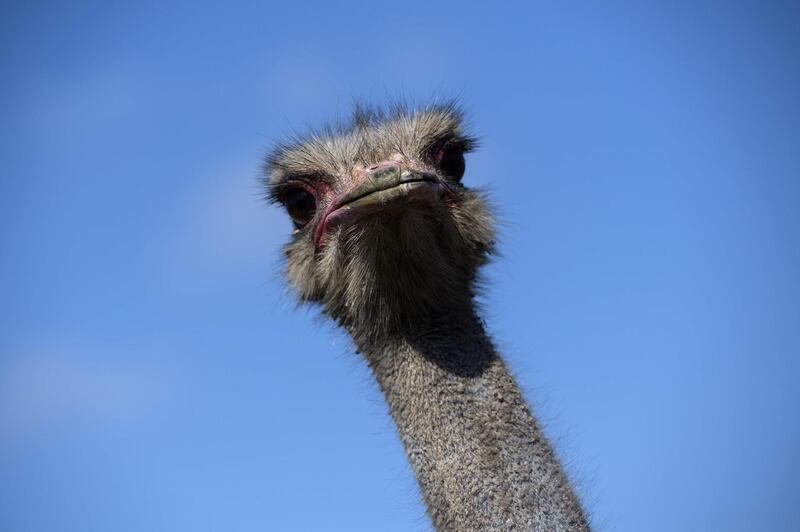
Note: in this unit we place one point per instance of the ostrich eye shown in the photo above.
(452, 164)
(301, 205)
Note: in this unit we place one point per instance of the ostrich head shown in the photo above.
(386, 235)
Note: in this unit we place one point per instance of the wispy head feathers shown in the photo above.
(411, 264)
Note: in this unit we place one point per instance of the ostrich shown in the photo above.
(388, 242)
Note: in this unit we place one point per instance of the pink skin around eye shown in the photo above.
(323, 189)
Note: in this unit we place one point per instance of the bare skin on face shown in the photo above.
(389, 243)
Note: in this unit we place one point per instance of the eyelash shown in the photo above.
(278, 190)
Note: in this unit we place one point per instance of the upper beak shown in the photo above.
(382, 185)
(384, 179)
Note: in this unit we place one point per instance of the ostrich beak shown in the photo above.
(382, 185)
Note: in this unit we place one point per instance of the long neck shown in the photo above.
(481, 459)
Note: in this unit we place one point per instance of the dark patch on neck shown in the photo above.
(458, 345)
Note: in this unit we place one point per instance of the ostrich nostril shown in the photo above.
(385, 173)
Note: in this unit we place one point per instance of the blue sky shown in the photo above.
(155, 374)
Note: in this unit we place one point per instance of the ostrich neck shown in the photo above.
(481, 460)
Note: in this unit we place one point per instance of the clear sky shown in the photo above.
(155, 375)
